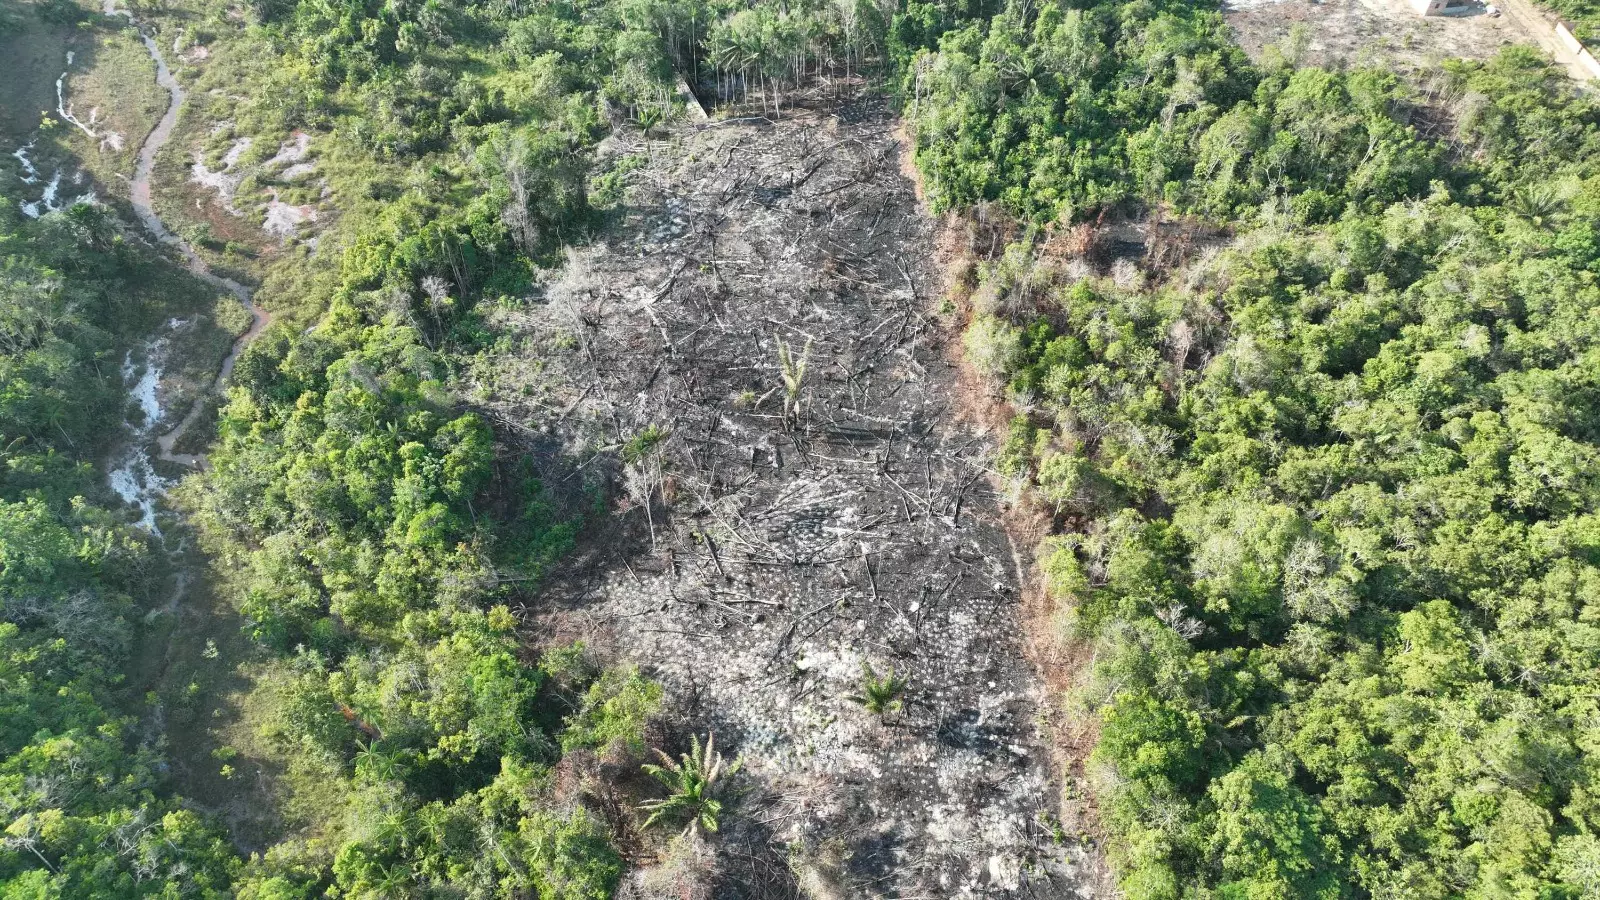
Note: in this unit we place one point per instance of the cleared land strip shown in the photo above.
(778, 538)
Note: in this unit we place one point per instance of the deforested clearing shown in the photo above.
(799, 450)
(799, 506)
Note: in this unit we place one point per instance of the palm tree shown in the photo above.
(693, 786)
(1024, 70)
(379, 765)
(881, 696)
(722, 49)
(393, 881)
(793, 370)
(748, 30)
(1538, 203)
(433, 822)
(649, 117)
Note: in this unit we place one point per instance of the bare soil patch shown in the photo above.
(769, 545)
(1370, 32)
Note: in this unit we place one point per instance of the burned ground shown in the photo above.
(772, 541)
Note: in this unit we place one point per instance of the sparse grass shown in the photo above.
(113, 79)
(33, 56)
(198, 437)
(194, 352)
(200, 642)
(206, 697)
(214, 118)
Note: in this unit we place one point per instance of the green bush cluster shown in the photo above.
(1333, 493)
(1068, 109)
(368, 528)
(1584, 15)
(84, 805)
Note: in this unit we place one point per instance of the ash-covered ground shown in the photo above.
(772, 539)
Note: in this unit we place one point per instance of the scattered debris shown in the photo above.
(791, 528)
(1390, 32)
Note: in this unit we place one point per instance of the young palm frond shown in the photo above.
(649, 117)
(881, 695)
(794, 375)
(694, 787)
(377, 764)
(1538, 203)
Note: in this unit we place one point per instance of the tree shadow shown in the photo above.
(197, 662)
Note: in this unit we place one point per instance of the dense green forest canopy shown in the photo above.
(82, 795)
(369, 529)
(1327, 500)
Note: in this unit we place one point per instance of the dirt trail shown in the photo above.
(767, 554)
(145, 209)
(1539, 27)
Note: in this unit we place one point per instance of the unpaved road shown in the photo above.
(778, 552)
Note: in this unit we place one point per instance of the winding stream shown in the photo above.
(133, 478)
